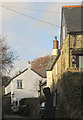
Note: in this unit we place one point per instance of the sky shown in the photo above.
(30, 28)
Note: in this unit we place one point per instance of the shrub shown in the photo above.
(69, 102)
(42, 99)
(29, 107)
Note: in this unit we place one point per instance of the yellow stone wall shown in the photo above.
(79, 45)
(79, 41)
(63, 61)
(62, 64)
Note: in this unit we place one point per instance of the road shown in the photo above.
(17, 117)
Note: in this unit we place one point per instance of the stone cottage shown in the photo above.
(70, 55)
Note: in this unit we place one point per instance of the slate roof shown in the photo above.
(74, 23)
(52, 61)
(40, 73)
(73, 18)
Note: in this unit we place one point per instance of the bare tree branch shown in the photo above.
(8, 56)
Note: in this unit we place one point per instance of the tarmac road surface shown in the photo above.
(17, 117)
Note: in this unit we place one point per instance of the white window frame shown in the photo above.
(19, 84)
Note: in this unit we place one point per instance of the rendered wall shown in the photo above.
(49, 78)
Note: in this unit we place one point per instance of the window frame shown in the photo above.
(19, 84)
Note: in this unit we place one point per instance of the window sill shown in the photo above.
(19, 88)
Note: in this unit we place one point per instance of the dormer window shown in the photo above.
(19, 84)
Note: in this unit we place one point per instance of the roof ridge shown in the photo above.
(16, 76)
(72, 6)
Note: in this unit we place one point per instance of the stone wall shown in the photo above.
(76, 43)
(64, 62)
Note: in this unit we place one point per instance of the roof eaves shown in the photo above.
(37, 73)
(51, 67)
(75, 32)
(16, 76)
(55, 60)
(52, 59)
(43, 83)
(7, 94)
(73, 6)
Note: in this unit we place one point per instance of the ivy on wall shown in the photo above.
(70, 101)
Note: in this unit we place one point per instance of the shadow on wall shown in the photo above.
(6, 105)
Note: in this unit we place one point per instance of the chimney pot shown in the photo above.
(55, 46)
(55, 37)
(19, 72)
(28, 62)
(29, 65)
(55, 43)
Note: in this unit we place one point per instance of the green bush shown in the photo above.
(69, 102)
(29, 107)
(42, 99)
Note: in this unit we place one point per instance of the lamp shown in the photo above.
(73, 60)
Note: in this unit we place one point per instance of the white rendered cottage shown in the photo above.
(23, 85)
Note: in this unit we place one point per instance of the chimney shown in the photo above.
(55, 46)
(29, 65)
(28, 62)
(19, 72)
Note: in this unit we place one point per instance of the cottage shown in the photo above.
(23, 85)
(70, 55)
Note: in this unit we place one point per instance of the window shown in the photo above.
(81, 62)
(19, 84)
(73, 64)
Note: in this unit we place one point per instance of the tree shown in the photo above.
(8, 56)
(40, 64)
(5, 80)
